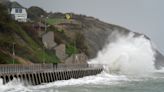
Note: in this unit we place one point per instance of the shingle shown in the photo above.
(16, 5)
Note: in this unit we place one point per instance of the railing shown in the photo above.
(20, 68)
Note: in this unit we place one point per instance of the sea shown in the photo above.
(103, 82)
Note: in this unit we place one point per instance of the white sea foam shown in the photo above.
(103, 78)
(13, 86)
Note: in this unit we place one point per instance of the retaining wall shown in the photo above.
(45, 73)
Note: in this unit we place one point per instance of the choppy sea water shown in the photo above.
(103, 82)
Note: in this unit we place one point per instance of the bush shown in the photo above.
(71, 49)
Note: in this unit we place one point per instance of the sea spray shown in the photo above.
(127, 54)
(13, 86)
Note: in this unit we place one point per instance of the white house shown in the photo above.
(18, 12)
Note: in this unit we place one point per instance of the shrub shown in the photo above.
(71, 49)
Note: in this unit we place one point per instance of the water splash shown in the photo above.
(13, 86)
(127, 55)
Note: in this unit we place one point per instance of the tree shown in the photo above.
(35, 12)
(4, 16)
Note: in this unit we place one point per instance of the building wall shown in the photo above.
(21, 17)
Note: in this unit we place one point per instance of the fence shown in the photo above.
(44, 73)
(20, 68)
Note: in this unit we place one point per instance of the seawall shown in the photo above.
(44, 73)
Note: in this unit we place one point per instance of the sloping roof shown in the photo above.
(16, 5)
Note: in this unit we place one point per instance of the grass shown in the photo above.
(32, 47)
(6, 59)
(54, 21)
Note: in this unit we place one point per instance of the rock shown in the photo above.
(81, 58)
(69, 60)
(48, 40)
(60, 52)
(159, 60)
(77, 58)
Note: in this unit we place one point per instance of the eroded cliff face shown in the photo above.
(97, 34)
(159, 63)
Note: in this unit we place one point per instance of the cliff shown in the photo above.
(91, 34)
(80, 35)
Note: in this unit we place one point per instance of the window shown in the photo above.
(18, 10)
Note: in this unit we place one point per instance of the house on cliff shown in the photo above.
(17, 12)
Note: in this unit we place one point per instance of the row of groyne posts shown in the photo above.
(44, 73)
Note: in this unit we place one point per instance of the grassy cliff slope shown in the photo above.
(26, 47)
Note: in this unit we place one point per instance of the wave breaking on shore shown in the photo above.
(128, 54)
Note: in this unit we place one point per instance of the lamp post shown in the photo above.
(13, 49)
(45, 43)
(40, 22)
(44, 52)
(45, 24)
(74, 51)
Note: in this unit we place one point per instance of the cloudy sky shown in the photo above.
(144, 16)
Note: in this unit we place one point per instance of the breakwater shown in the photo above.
(44, 73)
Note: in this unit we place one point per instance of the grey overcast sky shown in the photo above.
(144, 16)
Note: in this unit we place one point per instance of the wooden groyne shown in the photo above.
(44, 73)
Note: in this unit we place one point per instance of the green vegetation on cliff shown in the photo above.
(35, 13)
(53, 21)
(25, 46)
